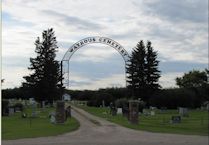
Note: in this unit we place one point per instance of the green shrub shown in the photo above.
(120, 103)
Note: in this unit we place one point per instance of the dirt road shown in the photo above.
(97, 131)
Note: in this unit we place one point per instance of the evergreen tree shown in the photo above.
(131, 78)
(45, 81)
(152, 72)
(143, 73)
(136, 70)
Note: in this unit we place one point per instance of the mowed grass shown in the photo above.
(16, 127)
(195, 124)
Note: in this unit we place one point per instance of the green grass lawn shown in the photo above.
(195, 124)
(16, 127)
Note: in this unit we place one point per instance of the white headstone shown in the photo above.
(34, 114)
(119, 111)
(152, 113)
(11, 111)
(183, 111)
(52, 119)
(152, 108)
(66, 97)
(43, 104)
(31, 101)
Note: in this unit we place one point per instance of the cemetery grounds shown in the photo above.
(195, 124)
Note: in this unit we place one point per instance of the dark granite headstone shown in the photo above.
(134, 111)
(60, 112)
(176, 119)
(125, 111)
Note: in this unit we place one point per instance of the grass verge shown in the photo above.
(16, 127)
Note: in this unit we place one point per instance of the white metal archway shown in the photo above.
(83, 42)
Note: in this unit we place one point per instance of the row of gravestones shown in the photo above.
(9, 109)
(132, 112)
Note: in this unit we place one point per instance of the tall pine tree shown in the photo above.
(143, 73)
(152, 72)
(136, 70)
(45, 81)
(131, 78)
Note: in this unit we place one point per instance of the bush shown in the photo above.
(120, 103)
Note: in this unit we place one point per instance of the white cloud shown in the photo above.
(117, 80)
(176, 35)
(95, 53)
(13, 77)
(168, 80)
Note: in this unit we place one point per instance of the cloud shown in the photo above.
(167, 80)
(186, 10)
(117, 80)
(178, 31)
(13, 76)
(72, 20)
(178, 66)
(95, 53)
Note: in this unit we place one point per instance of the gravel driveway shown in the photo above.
(97, 131)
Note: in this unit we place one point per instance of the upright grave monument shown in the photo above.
(134, 111)
(60, 112)
(183, 112)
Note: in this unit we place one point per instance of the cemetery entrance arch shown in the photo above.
(83, 42)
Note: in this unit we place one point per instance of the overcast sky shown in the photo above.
(178, 30)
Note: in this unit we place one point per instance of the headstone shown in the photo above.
(125, 111)
(152, 113)
(183, 112)
(152, 108)
(5, 107)
(54, 104)
(176, 119)
(31, 101)
(52, 119)
(60, 112)
(66, 97)
(134, 111)
(119, 111)
(25, 102)
(34, 110)
(113, 109)
(11, 110)
(145, 112)
(43, 104)
(103, 103)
